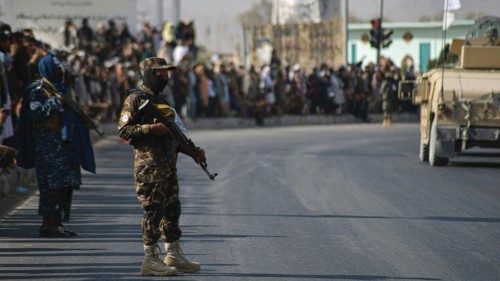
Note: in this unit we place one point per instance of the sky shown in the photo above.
(216, 21)
(219, 30)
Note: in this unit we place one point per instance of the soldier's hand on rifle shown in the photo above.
(158, 129)
(199, 155)
(4, 113)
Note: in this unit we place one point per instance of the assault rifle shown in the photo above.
(147, 108)
(73, 105)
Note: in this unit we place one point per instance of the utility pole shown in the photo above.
(177, 11)
(160, 12)
(278, 22)
(345, 12)
(380, 31)
(246, 61)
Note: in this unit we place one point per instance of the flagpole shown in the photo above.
(443, 45)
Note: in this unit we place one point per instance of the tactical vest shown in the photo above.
(54, 121)
(167, 142)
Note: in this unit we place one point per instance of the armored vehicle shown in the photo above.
(460, 105)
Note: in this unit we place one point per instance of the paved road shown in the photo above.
(306, 203)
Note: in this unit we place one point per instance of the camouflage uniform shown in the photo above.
(57, 173)
(155, 161)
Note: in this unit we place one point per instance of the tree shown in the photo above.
(259, 13)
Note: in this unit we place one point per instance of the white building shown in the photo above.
(421, 40)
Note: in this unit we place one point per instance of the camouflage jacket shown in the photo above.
(45, 109)
(154, 157)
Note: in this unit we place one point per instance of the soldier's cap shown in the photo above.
(156, 64)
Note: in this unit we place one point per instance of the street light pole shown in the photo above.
(245, 47)
(345, 10)
(379, 33)
(177, 11)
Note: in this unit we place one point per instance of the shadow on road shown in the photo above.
(117, 271)
(432, 218)
(316, 276)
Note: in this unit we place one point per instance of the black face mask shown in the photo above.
(155, 82)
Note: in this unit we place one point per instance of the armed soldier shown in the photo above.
(55, 140)
(155, 157)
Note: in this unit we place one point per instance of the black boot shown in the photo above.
(65, 230)
(64, 207)
(44, 227)
(50, 229)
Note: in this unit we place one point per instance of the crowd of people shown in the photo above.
(102, 65)
(324, 90)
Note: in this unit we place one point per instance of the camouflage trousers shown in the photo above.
(57, 174)
(162, 209)
(55, 203)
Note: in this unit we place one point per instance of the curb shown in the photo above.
(290, 120)
(274, 121)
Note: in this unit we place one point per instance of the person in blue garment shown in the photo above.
(56, 142)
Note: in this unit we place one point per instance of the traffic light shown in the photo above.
(379, 37)
(386, 37)
(375, 33)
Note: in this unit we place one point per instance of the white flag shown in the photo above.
(448, 19)
(451, 5)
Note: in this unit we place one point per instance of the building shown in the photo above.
(308, 44)
(420, 40)
(306, 11)
(307, 32)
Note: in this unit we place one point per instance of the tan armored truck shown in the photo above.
(460, 106)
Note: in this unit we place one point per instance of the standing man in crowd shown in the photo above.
(85, 35)
(389, 90)
(155, 157)
(56, 142)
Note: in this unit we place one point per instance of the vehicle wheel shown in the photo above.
(434, 159)
(424, 152)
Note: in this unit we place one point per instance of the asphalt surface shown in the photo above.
(346, 202)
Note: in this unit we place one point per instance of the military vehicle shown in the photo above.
(460, 105)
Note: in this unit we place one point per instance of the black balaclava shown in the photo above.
(155, 82)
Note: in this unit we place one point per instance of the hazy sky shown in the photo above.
(216, 20)
(218, 27)
(219, 30)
